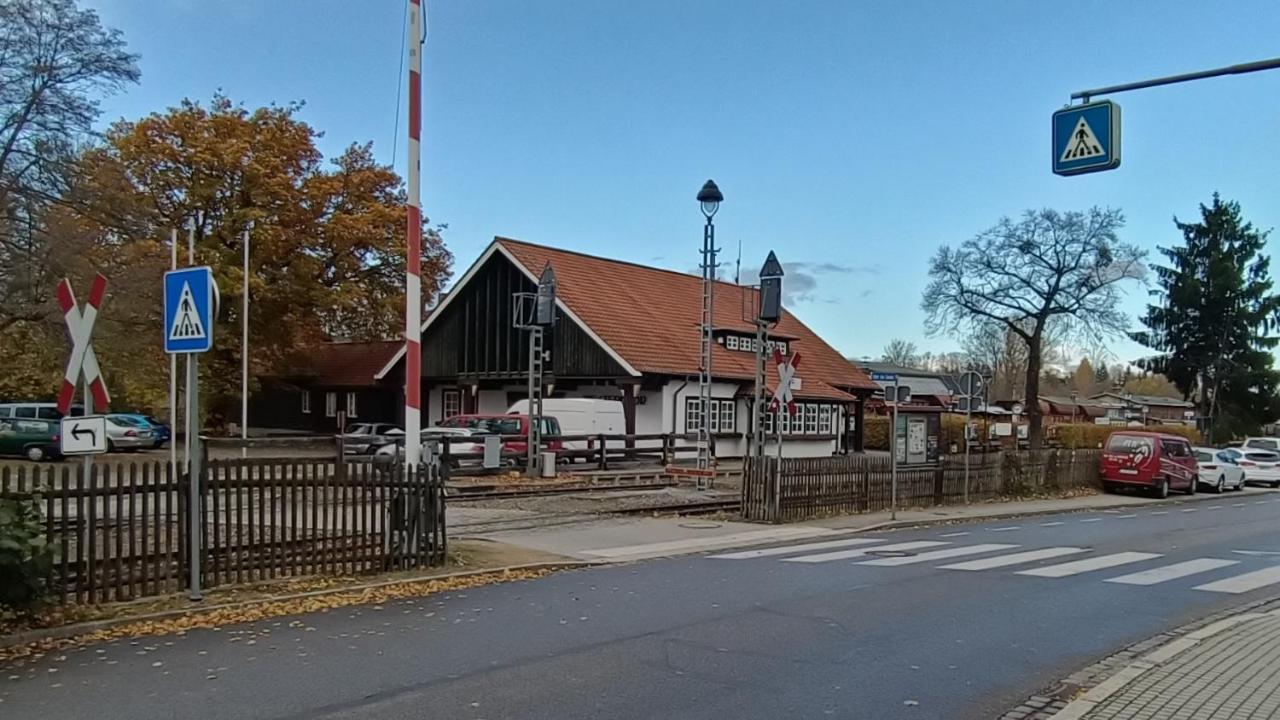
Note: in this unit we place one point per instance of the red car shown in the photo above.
(1150, 460)
(507, 425)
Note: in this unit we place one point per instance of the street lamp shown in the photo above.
(709, 198)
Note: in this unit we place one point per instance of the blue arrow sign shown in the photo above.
(884, 377)
(1086, 138)
(190, 298)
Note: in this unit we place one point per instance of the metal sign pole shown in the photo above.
(173, 373)
(195, 517)
(968, 415)
(893, 449)
(88, 410)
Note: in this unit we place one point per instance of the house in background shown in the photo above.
(631, 333)
(931, 391)
(1151, 409)
(330, 378)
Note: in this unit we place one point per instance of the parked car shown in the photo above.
(509, 425)
(1261, 443)
(128, 434)
(395, 446)
(366, 438)
(1218, 469)
(580, 416)
(1260, 466)
(1149, 460)
(33, 439)
(37, 410)
(160, 433)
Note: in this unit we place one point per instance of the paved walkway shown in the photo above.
(1225, 672)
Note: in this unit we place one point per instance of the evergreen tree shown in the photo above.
(1101, 377)
(1212, 330)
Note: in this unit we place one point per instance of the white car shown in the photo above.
(1261, 443)
(1260, 466)
(365, 438)
(431, 435)
(1218, 469)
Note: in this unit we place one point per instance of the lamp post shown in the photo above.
(709, 199)
(1074, 405)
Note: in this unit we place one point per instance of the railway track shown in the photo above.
(456, 496)
(703, 507)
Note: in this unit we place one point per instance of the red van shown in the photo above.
(507, 425)
(1154, 461)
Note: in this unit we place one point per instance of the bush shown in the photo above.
(1084, 435)
(1078, 435)
(25, 556)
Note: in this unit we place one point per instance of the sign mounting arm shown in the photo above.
(1241, 69)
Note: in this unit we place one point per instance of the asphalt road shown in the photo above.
(791, 634)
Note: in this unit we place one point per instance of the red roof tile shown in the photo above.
(651, 318)
(346, 364)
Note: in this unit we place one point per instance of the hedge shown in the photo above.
(1067, 435)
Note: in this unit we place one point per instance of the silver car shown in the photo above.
(366, 438)
(128, 434)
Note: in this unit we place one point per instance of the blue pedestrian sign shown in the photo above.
(190, 299)
(1086, 138)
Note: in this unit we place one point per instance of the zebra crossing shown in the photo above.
(1046, 562)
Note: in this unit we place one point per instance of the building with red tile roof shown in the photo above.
(627, 332)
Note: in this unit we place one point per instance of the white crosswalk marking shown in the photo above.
(1172, 572)
(794, 549)
(938, 555)
(846, 554)
(954, 534)
(1015, 558)
(1052, 524)
(1092, 520)
(1244, 583)
(1089, 564)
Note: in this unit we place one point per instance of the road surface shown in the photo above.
(968, 623)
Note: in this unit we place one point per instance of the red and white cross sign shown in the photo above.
(786, 376)
(83, 358)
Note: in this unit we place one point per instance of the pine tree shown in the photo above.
(1101, 377)
(1212, 328)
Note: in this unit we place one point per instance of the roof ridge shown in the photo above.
(615, 261)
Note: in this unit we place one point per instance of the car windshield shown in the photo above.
(1264, 443)
(125, 420)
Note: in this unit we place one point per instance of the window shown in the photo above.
(331, 404)
(306, 402)
(727, 415)
(692, 414)
(48, 413)
(810, 419)
(24, 412)
(721, 415)
(351, 404)
(451, 403)
(825, 413)
(731, 342)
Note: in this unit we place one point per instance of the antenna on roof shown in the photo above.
(737, 268)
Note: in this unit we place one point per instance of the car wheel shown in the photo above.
(111, 447)
(1222, 484)
(1162, 490)
(35, 454)
(1193, 486)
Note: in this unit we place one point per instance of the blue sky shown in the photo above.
(852, 137)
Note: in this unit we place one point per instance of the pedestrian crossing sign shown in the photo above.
(190, 299)
(1086, 138)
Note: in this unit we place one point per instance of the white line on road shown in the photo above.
(846, 554)
(1189, 510)
(1244, 583)
(1087, 565)
(1160, 512)
(1261, 502)
(1214, 507)
(1092, 520)
(1125, 517)
(793, 549)
(1052, 524)
(1172, 572)
(1257, 553)
(1005, 529)
(955, 534)
(938, 555)
(1015, 558)
(1239, 505)
(708, 543)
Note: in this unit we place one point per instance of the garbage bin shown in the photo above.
(548, 464)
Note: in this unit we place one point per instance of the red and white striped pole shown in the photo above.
(413, 278)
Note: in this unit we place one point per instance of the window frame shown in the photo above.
(352, 404)
(826, 417)
(331, 404)
(306, 402)
(446, 396)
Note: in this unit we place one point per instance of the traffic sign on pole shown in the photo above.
(83, 435)
(80, 325)
(190, 298)
(1086, 138)
(787, 380)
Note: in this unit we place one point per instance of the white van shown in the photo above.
(580, 416)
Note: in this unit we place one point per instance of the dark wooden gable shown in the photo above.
(474, 336)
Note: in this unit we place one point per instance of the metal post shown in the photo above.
(757, 400)
(531, 452)
(187, 424)
(413, 242)
(195, 516)
(893, 450)
(1240, 69)
(244, 354)
(968, 418)
(704, 369)
(173, 373)
(87, 465)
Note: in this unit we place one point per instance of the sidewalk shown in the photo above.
(1224, 671)
(635, 538)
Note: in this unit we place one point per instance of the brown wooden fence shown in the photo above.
(776, 490)
(121, 532)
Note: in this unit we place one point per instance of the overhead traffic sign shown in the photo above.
(80, 326)
(190, 298)
(84, 435)
(1086, 138)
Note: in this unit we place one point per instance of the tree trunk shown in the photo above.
(1032, 401)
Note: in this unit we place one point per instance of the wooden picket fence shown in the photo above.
(121, 531)
(790, 489)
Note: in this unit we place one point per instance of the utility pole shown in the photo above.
(413, 236)
(244, 354)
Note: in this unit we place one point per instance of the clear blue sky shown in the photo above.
(854, 134)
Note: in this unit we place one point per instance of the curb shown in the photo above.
(70, 631)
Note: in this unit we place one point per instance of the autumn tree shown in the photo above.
(1153, 384)
(1082, 380)
(56, 61)
(325, 240)
(1214, 323)
(1048, 267)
